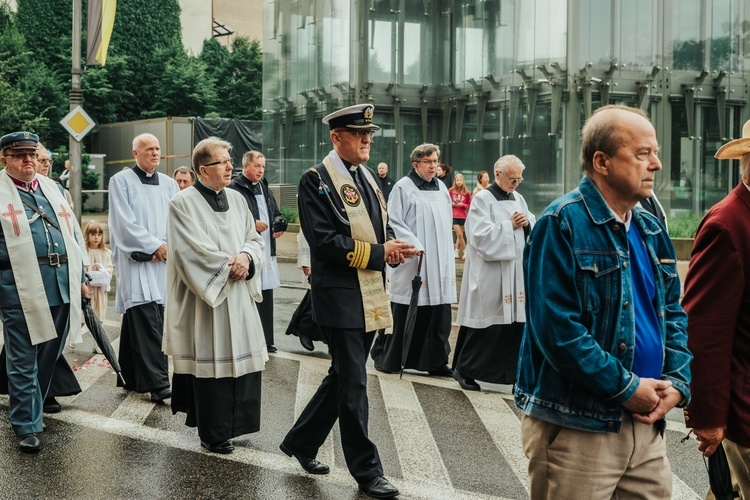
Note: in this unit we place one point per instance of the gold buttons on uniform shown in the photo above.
(622, 346)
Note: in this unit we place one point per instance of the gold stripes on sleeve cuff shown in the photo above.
(360, 256)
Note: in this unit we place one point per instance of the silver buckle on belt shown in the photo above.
(54, 259)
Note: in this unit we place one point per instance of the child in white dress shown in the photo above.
(100, 267)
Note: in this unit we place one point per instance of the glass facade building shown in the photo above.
(484, 78)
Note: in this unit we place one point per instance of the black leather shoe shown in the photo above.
(224, 448)
(383, 370)
(468, 384)
(30, 444)
(379, 488)
(443, 371)
(305, 341)
(309, 464)
(160, 395)
(271, 348)
(51, 406)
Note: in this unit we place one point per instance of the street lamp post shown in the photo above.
(76, 98)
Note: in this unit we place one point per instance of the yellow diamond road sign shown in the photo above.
(78, 123)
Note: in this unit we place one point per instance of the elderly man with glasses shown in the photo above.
(420, 213)
(41, 298)
(343, 215)
(491, 308)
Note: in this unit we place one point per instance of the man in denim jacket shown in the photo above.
(604, 355)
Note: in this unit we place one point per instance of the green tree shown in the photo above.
(142, 28)
(47, 26)
(240, 81)
(32, 97)
(182, 88)
(104, 98)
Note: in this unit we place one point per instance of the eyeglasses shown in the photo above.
(45, 160)
(22, 156)
(228, 161)
(429, 162)
(359, 134)
(513, 180)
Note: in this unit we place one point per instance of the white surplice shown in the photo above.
(138, 222)
(211, 326)
(424, 219)
(492, 287)
(269, 275)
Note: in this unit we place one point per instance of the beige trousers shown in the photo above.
(739, 465)
(570, 463)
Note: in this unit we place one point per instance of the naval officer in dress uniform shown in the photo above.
(343, 216)
(38, 303)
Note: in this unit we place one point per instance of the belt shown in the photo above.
(54, 259)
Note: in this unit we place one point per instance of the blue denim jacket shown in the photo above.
(577, 350)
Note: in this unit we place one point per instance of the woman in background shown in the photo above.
(460, 199)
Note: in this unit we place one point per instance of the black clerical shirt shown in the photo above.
(151, 180)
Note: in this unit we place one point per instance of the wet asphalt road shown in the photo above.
(435, 440)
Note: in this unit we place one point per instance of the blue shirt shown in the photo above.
(647, 355)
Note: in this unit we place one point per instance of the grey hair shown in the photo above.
(184, 170)
(250, 156)
(423, 150)
(203, 151)
(507, 161)
(138, 138)
(745, 168)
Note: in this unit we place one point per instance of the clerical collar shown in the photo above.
(352, 167)
(151, 179)
(422, 184)
(27, 186)
(217, 200)
(498, 192)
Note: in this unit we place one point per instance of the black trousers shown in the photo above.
(265, 311)
(144, 365)
(342, 395)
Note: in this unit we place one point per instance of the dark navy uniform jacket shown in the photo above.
(336, 298)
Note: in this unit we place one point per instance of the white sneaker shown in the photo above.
(455, 252)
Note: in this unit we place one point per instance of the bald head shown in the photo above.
(603, 132)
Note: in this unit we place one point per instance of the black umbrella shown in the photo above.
(100, 336)
(411, 314)
(719, 476)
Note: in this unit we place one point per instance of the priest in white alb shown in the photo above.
(212, 329)
(420, 213)
(491, 306)
(138, 201)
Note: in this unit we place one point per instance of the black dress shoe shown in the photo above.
(381, 369)
(160, 395)
(306, 342)
(30, 443)
(443, 371)
(224, 448)
(379, 488)
(51, 406)
(309, 464)
(468, 384)
(271, 348)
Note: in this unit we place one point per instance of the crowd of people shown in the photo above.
(578, 308)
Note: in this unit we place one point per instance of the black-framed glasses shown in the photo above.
(228, 161)
(513, 180)
(22, 156)
(359, 134)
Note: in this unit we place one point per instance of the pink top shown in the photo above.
(460, 203)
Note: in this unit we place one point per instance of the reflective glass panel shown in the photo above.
(687, 52)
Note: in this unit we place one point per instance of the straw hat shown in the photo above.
(736, 149)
